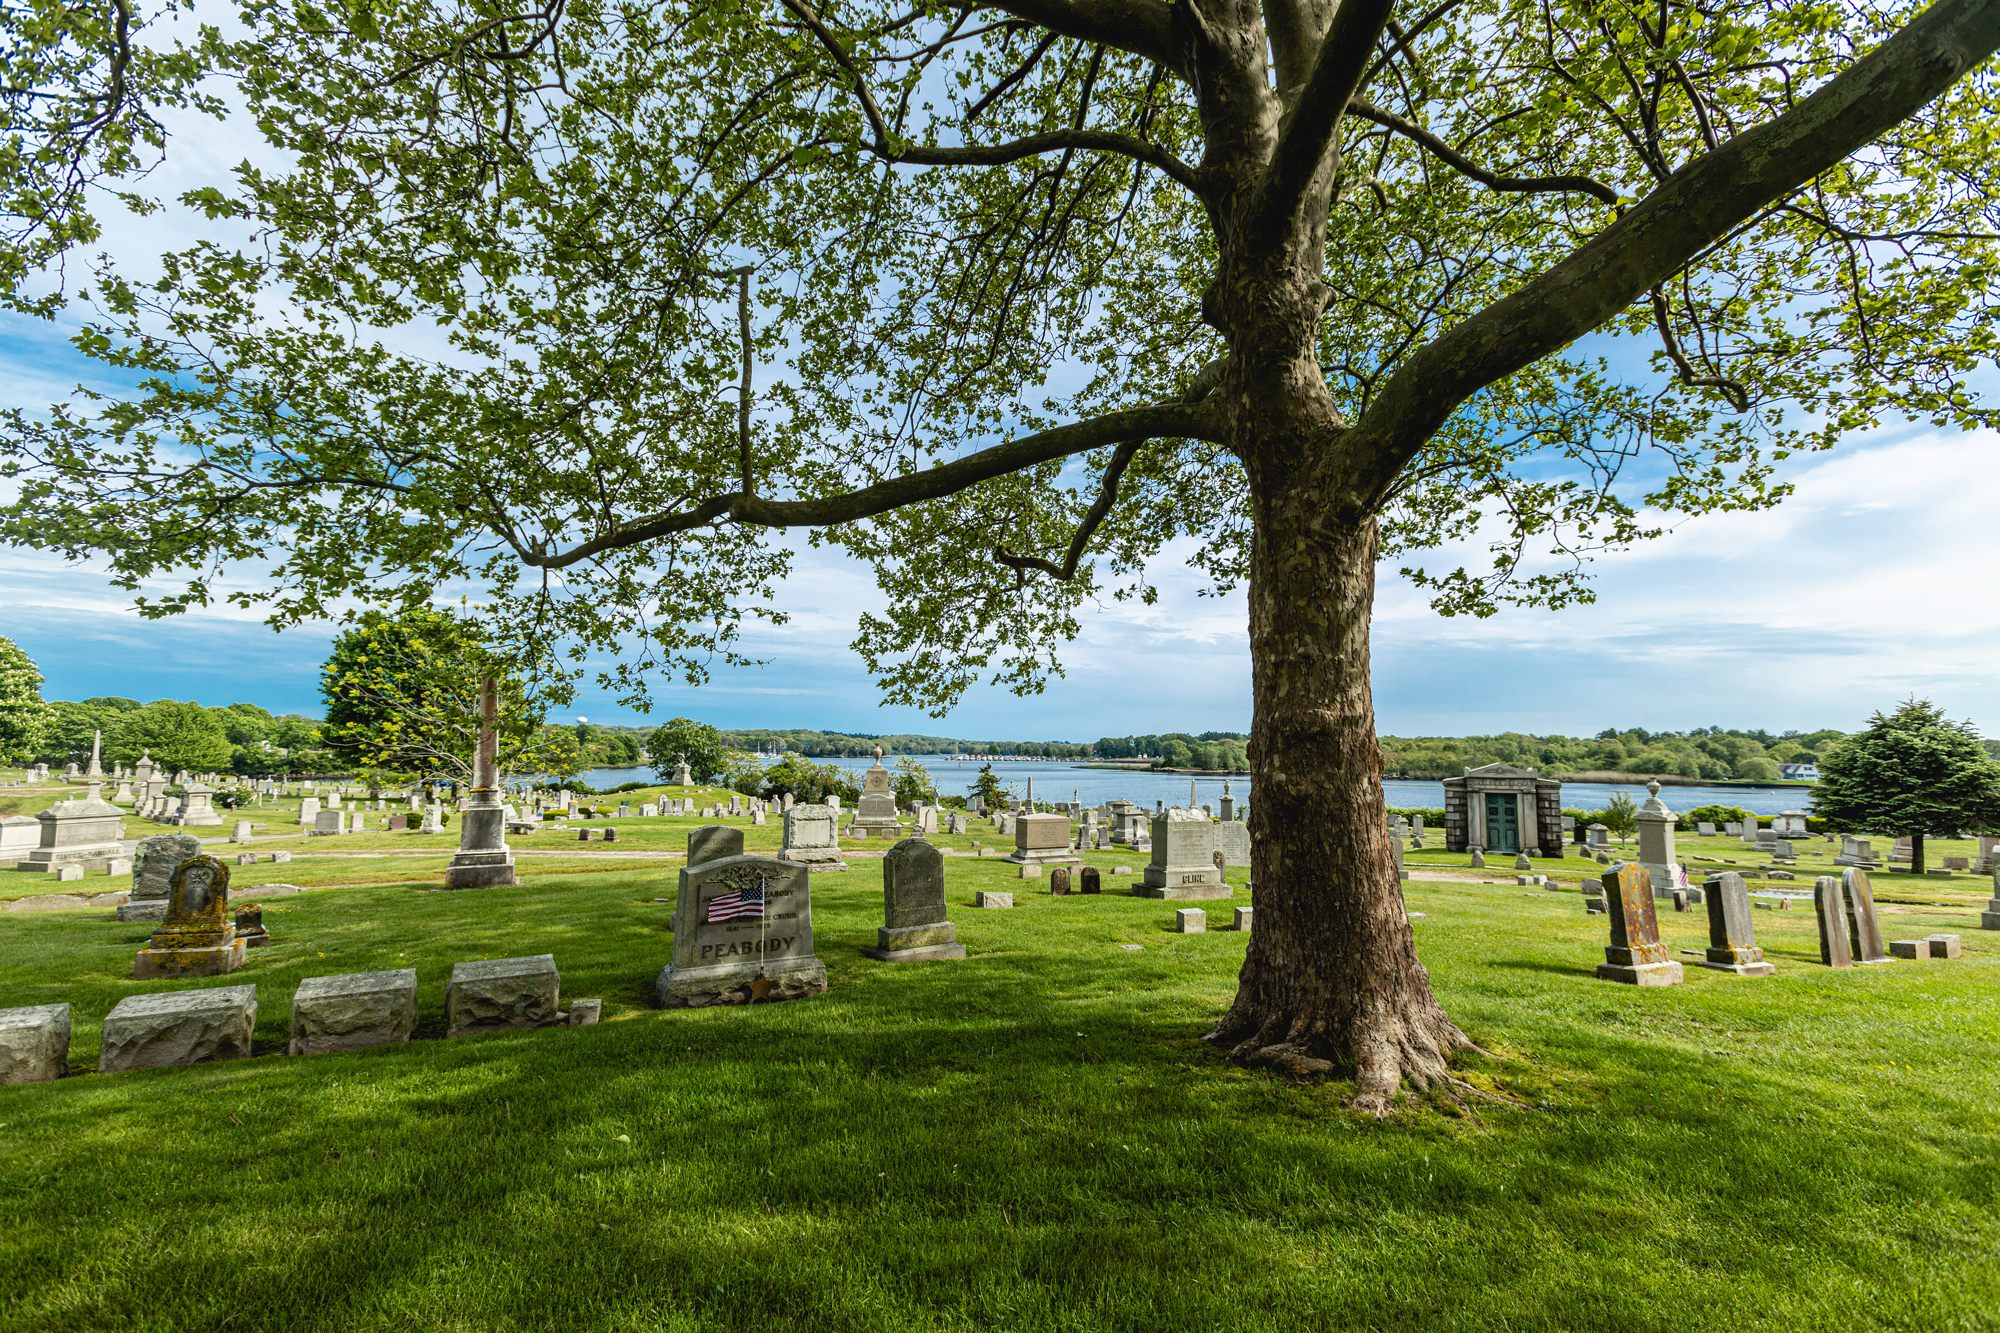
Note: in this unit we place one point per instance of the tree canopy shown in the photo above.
(178, 735)
(24, 717)
(1911, 772)
(698, 743)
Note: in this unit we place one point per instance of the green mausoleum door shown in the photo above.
(1503, 822)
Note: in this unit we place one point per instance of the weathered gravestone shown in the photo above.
(1059, 881)
(1990, 918)
(914, 928)
(183, 1027)
(1183, 864)
(499, 993)
(1089, 880)
(34, 1043)
(1041, 840)
(1864, 933)
(347, 1013)
(1732, 935)
(742, 932)
(1827, 904)
(1705, 829)
(329, 824)
(195, 939)
(1635, 955)
(810, 839)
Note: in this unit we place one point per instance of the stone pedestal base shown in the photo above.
(815, 859)
(1044, 856)
(700, 987)
(915, 944)
(1642, 974)
(146, 909)
(867, 828)
(1739, 969)
(1990, 918)
(87, 856)
(169, 964)
(347, 1013)
(1178, 883)
(480, 870)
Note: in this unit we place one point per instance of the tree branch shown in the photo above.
(1309, 129)
(1137, 423)
(1107, 496)
(1465, 167)
(1697, 207)
(1105, 141)
(1733, 390)
(1143, 27)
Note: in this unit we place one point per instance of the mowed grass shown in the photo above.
(1033, 1138)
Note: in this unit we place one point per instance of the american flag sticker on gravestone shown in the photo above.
(739, 905)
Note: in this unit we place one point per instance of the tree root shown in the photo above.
(1382, 1063)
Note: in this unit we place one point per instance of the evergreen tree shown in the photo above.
(23, 716)
(1911, 773)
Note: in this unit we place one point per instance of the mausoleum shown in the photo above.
(1501, 808)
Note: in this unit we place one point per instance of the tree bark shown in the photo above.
(1331, 982)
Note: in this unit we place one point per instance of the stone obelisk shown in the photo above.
(484, 859)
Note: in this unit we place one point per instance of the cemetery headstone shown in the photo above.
(1656, 841)
(810, 839)
(348, 1013)
(1190, 921)
(1732, 934)
(1635, 955)
(1242, 921)
(711, 842)
(501, 993)
(914, 925)
(328, 824)
(742, 934)
(1829, 905)
(1864, 933)
(1183, 863)
(1705, 829)
(184, 1027)
(1059, 881)
(1909, 949)
(1990, 918)
(1089, 880)
(1042, 840)
(83, 832)
(250, 927)
(34, 1043)
(1521, 861)
(988, 898)
(1946, 946)
(196, 938)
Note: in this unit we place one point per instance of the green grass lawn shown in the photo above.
(1033, 1138)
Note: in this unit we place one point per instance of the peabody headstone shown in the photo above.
(914, 928)
(1864, 934)
(1635, 956)
(347, 1013)
(810, 839)
(183, 1027)
(1732, 935)
(196, 938)
(742, 933)
(1183, 864)
(1832, 914)
(34, 1043)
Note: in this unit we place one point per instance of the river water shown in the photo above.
(1061, 780)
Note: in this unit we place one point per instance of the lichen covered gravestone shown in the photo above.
(1635, 955)
(742, 932)
(1732, 935)
(1833, 949)
(196, 938)
(914, 926)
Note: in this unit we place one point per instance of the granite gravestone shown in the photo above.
(810, 839)
(1827, 905)
(1635, 956)
(1183, 865)
(742, 932)
(1732, 935)
(914, 928)
(196, 938)
(1089, 880)
(1059, 881)
(1864, 933)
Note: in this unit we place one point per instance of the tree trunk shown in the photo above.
(1331, 981)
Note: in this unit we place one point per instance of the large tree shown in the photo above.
(1320, 282)
(1911, 772)
(177, 735)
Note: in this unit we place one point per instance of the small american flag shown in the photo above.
(744, 904)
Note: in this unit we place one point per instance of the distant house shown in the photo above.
(1799, 772)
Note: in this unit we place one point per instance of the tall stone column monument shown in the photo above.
(1656, 843)
(484, 860)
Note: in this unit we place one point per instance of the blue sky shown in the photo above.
(1870, 584)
